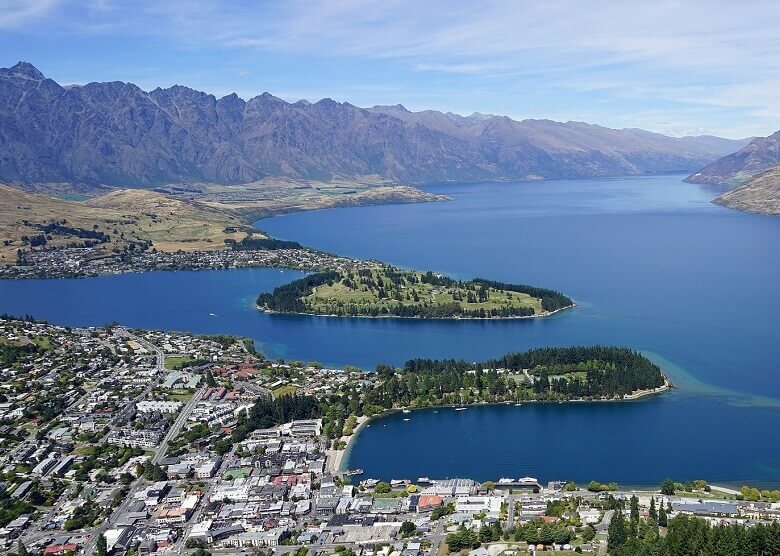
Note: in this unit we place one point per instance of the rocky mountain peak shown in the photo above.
(26, 69)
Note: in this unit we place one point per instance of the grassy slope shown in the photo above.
(761, 194)
(274, 196)
(141, 215)
(325, 299)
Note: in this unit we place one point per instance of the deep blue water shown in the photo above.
(631, 443)
(650, 261)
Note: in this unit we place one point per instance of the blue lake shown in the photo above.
(650, 261)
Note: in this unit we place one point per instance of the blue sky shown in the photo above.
(675, 67)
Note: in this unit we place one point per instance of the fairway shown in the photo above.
(383, 289)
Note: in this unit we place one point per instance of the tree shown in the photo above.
(617, 532)
(634, 519)
(407, 529)
(662, 520)
(489, 485)
(667, 487)
(589, 533)
(102, 547)
(653, 511)
(462, 538)
(382, 488)
(210, 382)
(20, 549)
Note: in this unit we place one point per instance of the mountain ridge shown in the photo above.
(116, 134)
(739, 167)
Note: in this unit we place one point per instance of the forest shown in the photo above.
(561, 373)
(267, 413)
(686, 536)
(267, 244)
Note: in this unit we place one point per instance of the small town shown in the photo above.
(78, 262)
(121, 441)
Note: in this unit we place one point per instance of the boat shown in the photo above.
(407, 419)
(352, 472)
(460, 409)
(406, 411)
(212, 314)
(518, 405)
(424, 481)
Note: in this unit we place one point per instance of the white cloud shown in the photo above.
(15, 13)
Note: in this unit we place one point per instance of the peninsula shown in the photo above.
(385, 291)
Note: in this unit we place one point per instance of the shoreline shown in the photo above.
(453, 318)
(338, 460)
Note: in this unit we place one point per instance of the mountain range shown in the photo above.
(117, 134)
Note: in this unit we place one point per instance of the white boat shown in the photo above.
(460, 409)
(212, 314)
(407, 411)
(518, 405)
(407, 419)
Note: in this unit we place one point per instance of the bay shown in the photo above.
(650, 261)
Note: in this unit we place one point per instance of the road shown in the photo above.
(510, 513)
(175, 429)
(138, 485)
(203, 504)
(437, 536)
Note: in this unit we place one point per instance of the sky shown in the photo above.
(674, 67)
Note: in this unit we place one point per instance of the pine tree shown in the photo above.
(634, 516)
(102, 547)
(662, 521)
(617, 533)
(653, 511)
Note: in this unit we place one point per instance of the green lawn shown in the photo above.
(177, 362)
(285, 391)
(177, 394)
(351, 289)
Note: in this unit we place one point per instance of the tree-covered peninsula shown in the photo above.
(385, 291)
(594, 373)
(544, 374)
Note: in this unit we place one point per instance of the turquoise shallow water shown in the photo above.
(650, 261)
